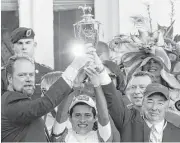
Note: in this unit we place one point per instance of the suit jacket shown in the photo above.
(130, 123)
(21, 116)
(173, 118)
(40, 70)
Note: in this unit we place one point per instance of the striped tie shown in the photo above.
(153, 138)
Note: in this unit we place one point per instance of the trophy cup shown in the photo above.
(87, 30)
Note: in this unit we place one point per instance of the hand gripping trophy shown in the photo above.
(87, 30)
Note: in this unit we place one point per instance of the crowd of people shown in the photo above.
(124, 91)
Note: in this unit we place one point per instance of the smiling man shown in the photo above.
(136, 87)
(82, 114)
(20, 115)
(23, 78)
(149, 124)
(155, 105)
(82, 123)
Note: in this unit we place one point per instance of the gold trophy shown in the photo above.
(87, 30)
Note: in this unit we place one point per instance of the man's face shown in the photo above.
(82, 119)
(153, 67)
(136, 88)
(25, 46)
(23, 77)
(154, 107)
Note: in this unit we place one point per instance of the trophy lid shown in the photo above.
(87, 16)
(86, 11)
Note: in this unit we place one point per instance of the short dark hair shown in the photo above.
(13, 59)
(144, 73)
(101, 43)
(102, 47)
(82, 103)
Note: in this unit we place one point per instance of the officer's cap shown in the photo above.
(22, 33)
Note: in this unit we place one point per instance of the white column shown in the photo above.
(25, 13)
(107, 12)
(43, 27)
(38, 15)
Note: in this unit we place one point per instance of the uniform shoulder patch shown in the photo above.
(42, 69)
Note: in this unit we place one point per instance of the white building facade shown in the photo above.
(52, 21)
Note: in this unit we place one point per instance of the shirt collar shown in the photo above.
(159, 126)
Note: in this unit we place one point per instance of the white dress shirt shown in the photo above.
(158, 130)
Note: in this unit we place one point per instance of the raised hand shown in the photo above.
(93, 75)
(80, 61)
(98, 63)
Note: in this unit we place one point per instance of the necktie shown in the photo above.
(153, 135)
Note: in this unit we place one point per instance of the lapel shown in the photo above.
(167, 133)
(146, 132)
(143, 127)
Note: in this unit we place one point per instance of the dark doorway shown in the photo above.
(63, 35)
(9, 22)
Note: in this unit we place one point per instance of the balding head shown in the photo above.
(21, 75)
(103, 51)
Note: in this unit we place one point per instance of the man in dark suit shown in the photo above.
(148, 125)
(20, 115)
(23, 42)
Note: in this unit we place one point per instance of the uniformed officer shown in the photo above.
(23, 42)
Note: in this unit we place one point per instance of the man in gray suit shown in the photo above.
(147, 125)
